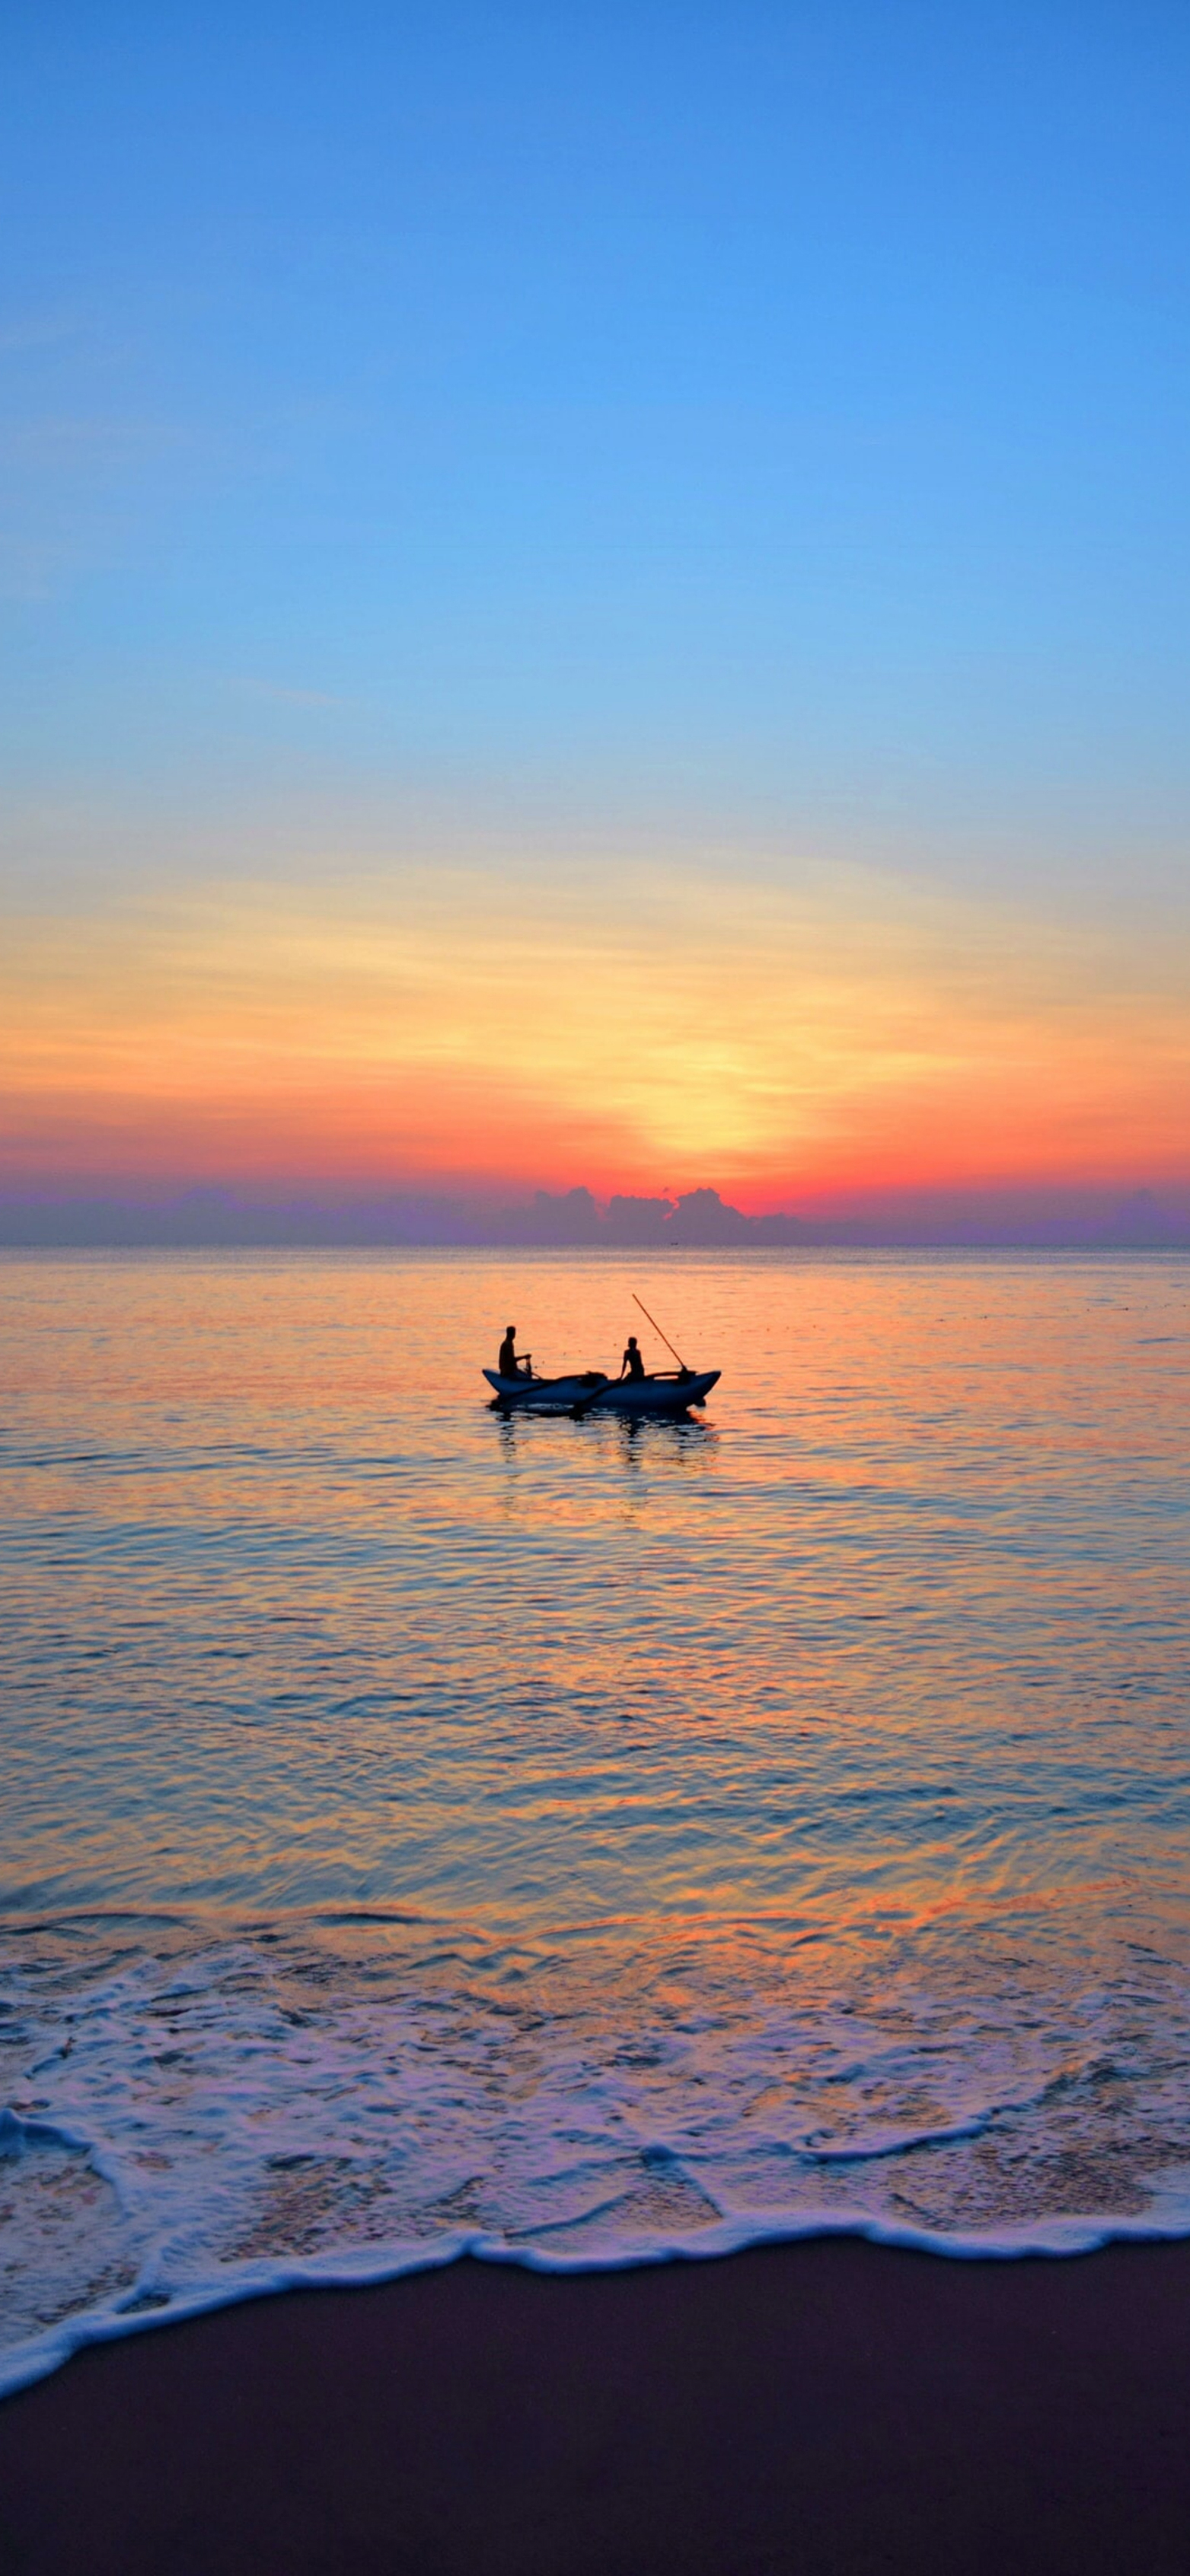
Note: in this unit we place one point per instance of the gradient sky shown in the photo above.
(596, 595)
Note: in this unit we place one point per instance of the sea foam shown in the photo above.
(584, 1843)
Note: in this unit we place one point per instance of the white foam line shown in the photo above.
(16, 2125)
(901, 2142)
(1056, 2238)
(33, 2132)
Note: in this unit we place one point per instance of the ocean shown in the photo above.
(584, 1842)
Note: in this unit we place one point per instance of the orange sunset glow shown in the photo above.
(850, 1031)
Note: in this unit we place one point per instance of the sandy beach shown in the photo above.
(829, 2406)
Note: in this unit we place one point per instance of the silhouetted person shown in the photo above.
(508, 1364)
(632, 1364)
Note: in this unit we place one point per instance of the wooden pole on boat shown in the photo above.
(639, 1301)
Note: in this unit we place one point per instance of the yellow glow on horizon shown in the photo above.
(638, 1031)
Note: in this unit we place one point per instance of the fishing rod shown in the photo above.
(664, 1337)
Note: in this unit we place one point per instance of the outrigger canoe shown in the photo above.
(589, 1391)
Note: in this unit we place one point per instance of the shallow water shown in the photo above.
(583, 1839)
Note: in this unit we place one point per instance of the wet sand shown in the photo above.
(830, 2406)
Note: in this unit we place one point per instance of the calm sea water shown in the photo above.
(572, 1839)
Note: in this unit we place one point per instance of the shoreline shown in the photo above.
(823, 2406)
(28, 2363)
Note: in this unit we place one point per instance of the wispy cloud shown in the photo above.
(847, 1031)
(57, 441)
(279, 695)
(27, 333)
(72, 479)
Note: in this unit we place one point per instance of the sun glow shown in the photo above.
(635, 1030)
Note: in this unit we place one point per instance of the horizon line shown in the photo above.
(213, 1217)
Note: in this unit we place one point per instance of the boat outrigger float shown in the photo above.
(583, 1391)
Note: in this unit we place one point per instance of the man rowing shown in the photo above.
(632, 1365)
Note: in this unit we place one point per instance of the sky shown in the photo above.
(595, 596)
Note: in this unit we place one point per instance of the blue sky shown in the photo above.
(500, 479)
(778, 410)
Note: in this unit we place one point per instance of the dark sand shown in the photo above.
(826, 2406)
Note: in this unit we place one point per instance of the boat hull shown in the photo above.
(544, 1394)
(582, 1392)
(654, 1394)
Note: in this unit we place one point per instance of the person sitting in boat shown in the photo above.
(632, 1365)
(508, 1364)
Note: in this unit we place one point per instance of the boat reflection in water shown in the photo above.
(635, 1439)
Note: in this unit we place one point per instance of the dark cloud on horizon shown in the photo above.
(699, 1220)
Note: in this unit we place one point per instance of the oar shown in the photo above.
(583, 1403)
(532, 1386)
(664, 1337)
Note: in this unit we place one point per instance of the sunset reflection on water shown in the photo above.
(805, 1784)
